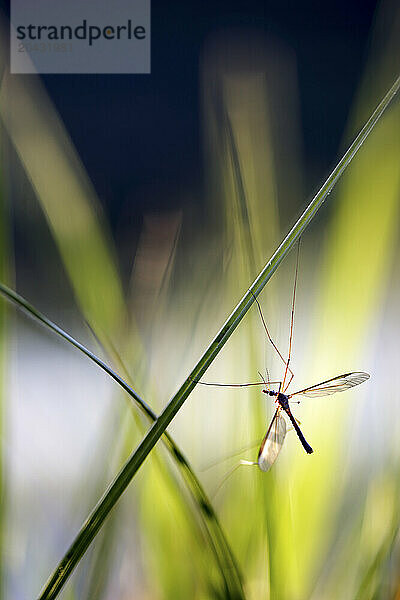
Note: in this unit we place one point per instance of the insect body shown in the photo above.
(276, 432)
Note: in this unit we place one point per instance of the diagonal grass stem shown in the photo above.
(96, 519)
(225, 559)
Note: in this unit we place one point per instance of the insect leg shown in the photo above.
(270, 338)
(291, 323)
(242, 463)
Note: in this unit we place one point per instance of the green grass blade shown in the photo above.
(87, 251)
(372, 577)
(31, 310)
(224, 556)
(72, 210)
(80, 230)
(124, 477)
(244, 179)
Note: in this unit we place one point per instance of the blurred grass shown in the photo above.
(73, 214)
(107, 502)
(359, 248)
(240, 148)
(313, 527)
(86, 230)
(4, 275)
(302, 514)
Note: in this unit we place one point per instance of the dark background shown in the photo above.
(140, 136)
(134, 131)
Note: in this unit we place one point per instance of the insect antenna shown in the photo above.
(266, 383)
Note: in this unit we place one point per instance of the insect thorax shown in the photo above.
(283, 400)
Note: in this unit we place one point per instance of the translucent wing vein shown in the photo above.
(272, 443)
(331, 386)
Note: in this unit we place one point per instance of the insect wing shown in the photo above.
(272, 443)
(331, 386)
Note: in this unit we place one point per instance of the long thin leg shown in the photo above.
(242, 463)
(269, 337)
(233, 385)
(214, 463)
(291, 324)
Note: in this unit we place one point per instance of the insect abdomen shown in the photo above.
(301, 437)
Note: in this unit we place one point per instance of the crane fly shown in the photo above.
(275, 436)
(276, 432)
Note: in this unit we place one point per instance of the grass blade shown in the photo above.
(122, 480)
(31, 310)
(86, 249)
(218, 542)
(72, 210)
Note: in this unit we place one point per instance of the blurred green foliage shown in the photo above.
(4, 274)
(324, 526)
